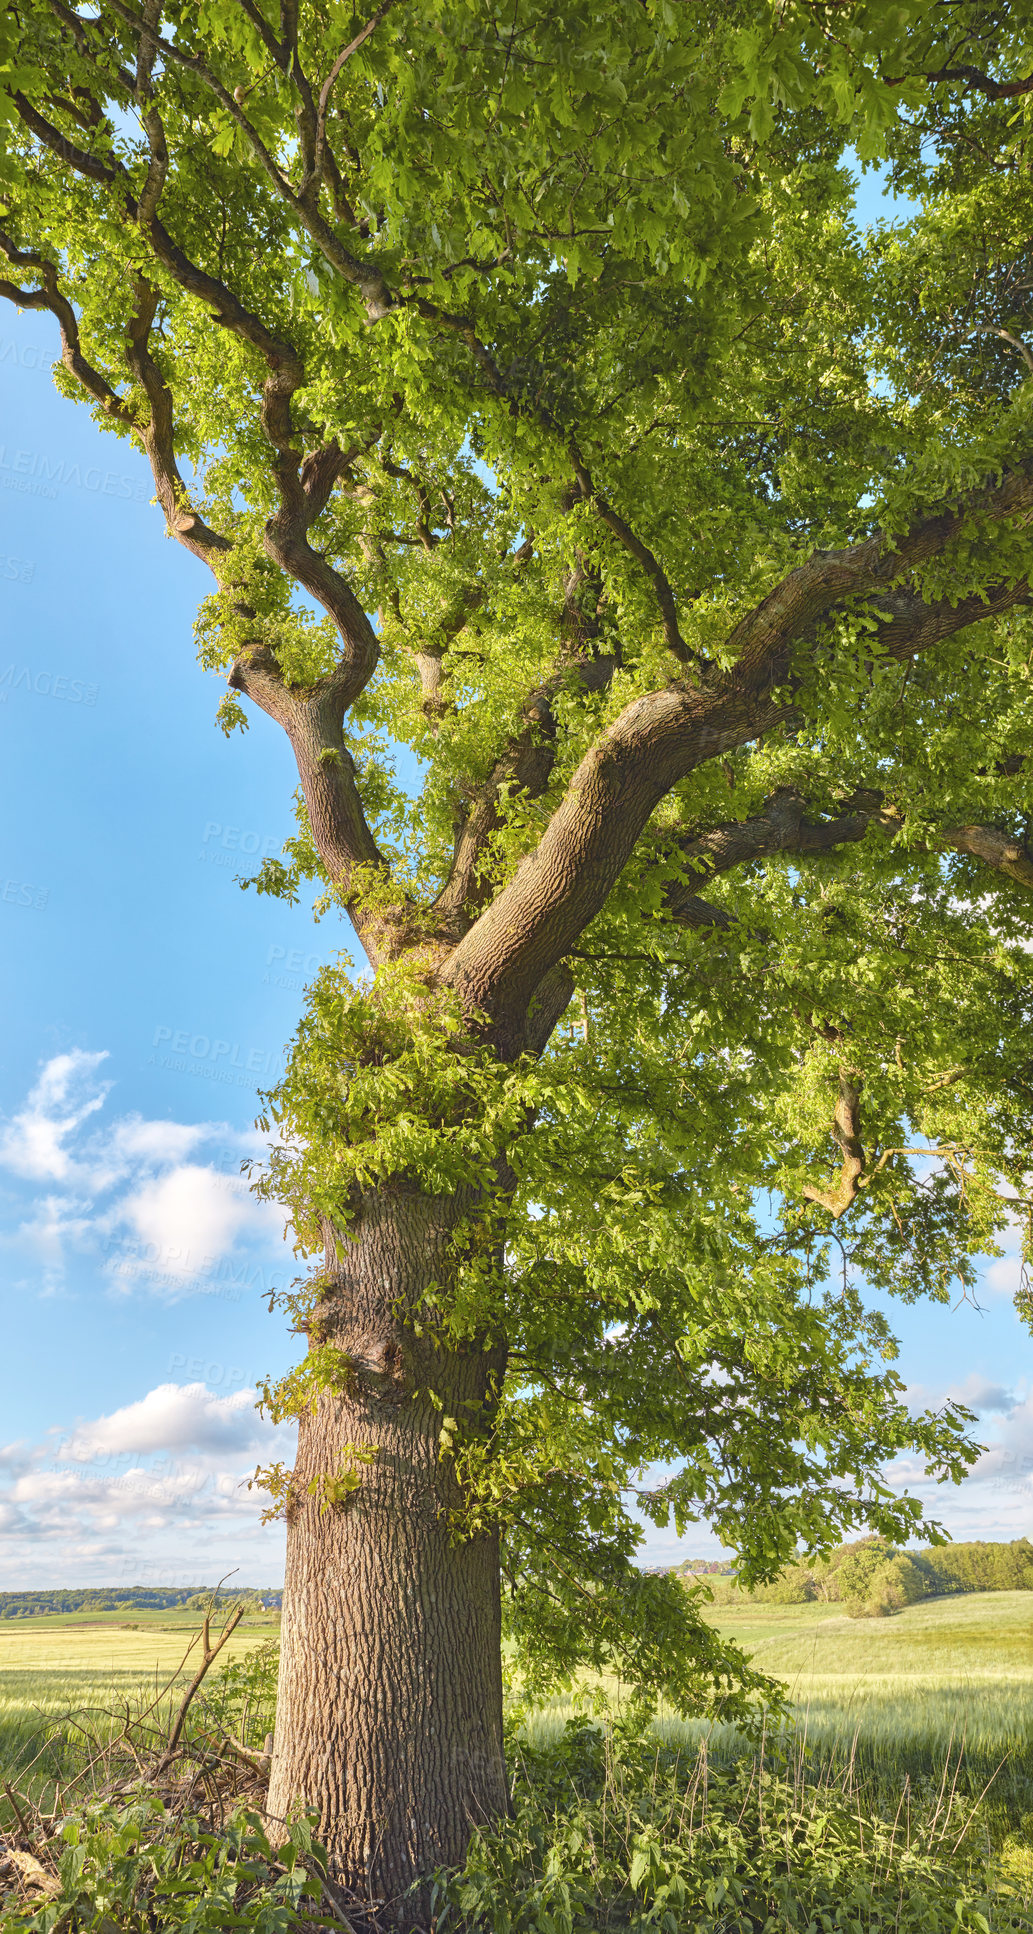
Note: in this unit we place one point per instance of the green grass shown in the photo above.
(899, 1697)
(62, 1677)
(903, 1720)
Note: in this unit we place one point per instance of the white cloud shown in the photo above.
(164, 1219)
(173, 1417)
(1002, 1276)
(976, 1392)
(64, 1097)
(118, 1492)
(158, 1142)
(187, 1219)
(981, 1395)
(995, 1501)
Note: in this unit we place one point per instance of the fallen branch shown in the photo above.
(19, 1815)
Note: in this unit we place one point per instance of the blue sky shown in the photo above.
(146, 999)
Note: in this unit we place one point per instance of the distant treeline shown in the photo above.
(708, 1567)
(131, 1598)
(871, 1579)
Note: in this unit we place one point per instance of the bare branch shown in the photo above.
(209, 1654)
(846, 1131)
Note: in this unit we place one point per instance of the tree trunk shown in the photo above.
(389, 1713)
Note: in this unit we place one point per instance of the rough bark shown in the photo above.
(389, 1715)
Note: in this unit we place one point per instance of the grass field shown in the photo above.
(900, 1696)
(956, 1669)
(899, 1724)
(73, 1667)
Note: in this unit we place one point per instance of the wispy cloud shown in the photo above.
(66, 1094)
(137, 1193)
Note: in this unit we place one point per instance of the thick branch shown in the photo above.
(829, 579)
(975, 81)
(304, 489)
(783, 827)
(846, 1130)
(780, 828)
(526, 767)
(159, 439)
(661, 737)
(1000, 850)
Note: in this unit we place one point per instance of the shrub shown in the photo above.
(131, 1867)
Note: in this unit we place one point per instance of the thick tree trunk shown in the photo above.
(389, 1716)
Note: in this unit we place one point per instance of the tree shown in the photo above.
(695, 523)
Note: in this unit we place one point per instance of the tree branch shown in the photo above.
(846, 1130)
(365, 277)
(782, 827)
(525, 766)
(664, 735)
(50, 297)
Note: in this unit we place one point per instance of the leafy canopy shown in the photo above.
(680, 790)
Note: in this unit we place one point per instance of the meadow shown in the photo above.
(944, 1687)
(898, 1694)
(900, 1727)
(62, 1675)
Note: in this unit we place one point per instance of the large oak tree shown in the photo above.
(695, 521)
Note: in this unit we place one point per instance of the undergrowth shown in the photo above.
(613, 1830)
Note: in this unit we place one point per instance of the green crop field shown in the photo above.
(946, 1684)
(901, 1698)
(946, 1674)
(948, 1670)
(68, 1671)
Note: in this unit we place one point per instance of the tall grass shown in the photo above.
(613, 1830)
(896, 1700)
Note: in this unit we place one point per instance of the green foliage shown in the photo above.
(387, 1078)
(614, 1823)
(137, 1868)
(610, 1832)
(240, 1699)
(276, 1479)
(325, 1369)
(335, 1487)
